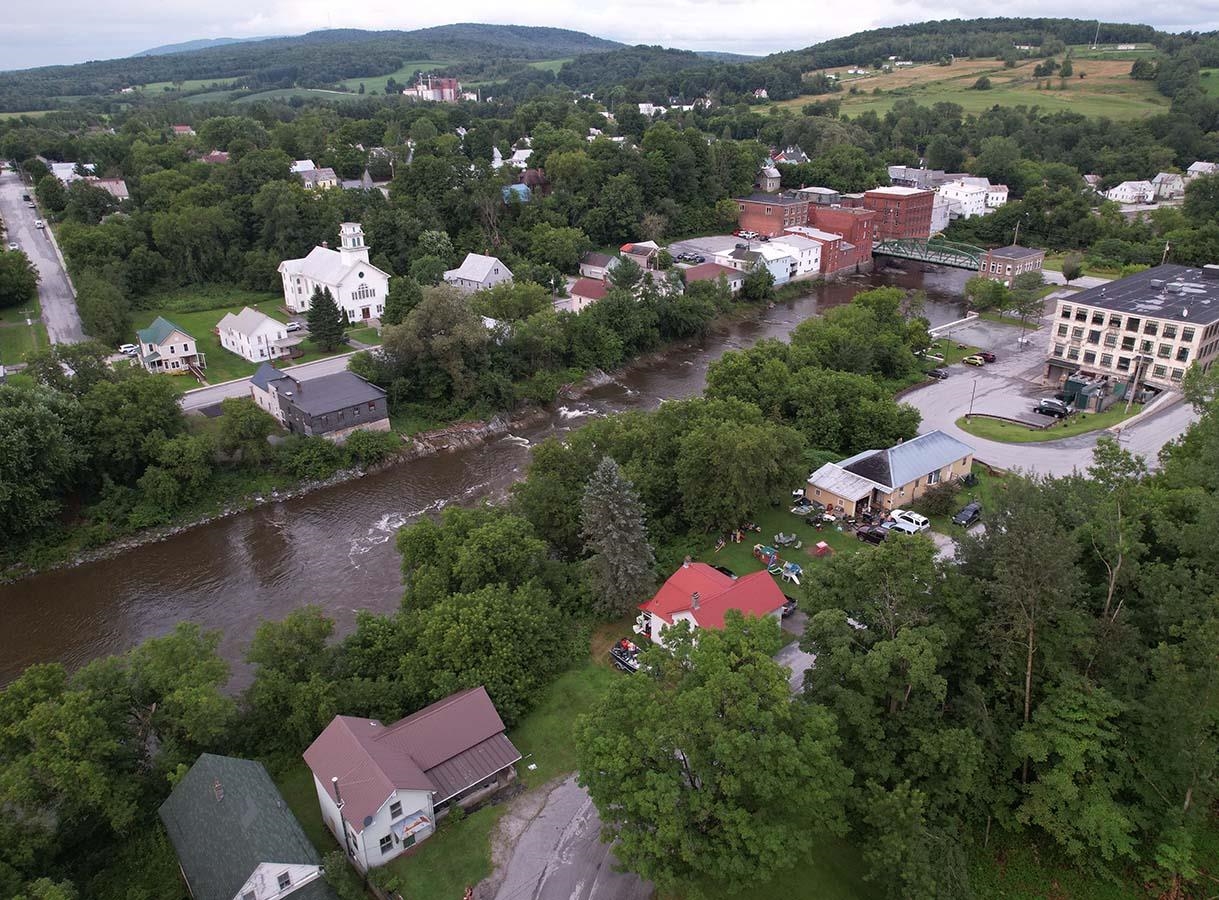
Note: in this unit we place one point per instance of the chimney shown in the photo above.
(325, 245)
(695, 599)
(338, 798)
(685, 563)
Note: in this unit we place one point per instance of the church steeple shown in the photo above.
(352, 247)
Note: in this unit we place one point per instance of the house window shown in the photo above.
(1111, 340)
(1094, 337)
(817, 492)
(1159, 371)
(1123, 363)
(1081, 315)
(1150, 328)
(395, 809)
(1127, 343)
(1077, 333)
(372, 405)
(1183, 354)
(1098, 318)
(1164, 351)
(387, 843)
(1059, 349)
(1106, 360)
(1178, 374)
(1170, 331)
(284, 880)
(933, 478)
(1187, 334)
(1132, 324)
(1145, 346)
(1066, 312)
(1090, 356)
(1073, 353)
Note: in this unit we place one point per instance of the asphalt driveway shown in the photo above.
(1009, 387)
(54, 292)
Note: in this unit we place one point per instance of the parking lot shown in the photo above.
(1011, 385)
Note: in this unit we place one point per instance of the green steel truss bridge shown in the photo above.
(935, 250)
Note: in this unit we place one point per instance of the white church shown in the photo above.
(358, 287)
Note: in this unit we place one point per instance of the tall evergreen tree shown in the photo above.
(612, 521)
(325, 319)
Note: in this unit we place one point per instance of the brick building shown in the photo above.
(901, 212)
(1005, 263)
(771, 214)
(856, 227)
(832, 252)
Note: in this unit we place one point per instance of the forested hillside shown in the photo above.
(318, 59)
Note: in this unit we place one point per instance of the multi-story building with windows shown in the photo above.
(1144, 330)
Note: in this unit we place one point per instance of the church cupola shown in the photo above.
(351, 243)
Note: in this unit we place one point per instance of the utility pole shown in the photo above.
(1164, 258)
(1016, 236)
(972, 392)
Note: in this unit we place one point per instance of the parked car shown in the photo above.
(25, 197)
(904, 517)
(969, 514)
(293, 326)
(38, 223)
(974, 360)
(987, 356)
(938, 374)
(789, 606)
(1050, 406)
(873, 534)
(12, 245)
(129, 349)
(763, 238)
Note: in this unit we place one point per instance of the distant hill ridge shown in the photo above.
(201, 44)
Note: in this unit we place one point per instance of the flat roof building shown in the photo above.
(1143, 330)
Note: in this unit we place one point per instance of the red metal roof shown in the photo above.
(755, 594)
(443, 748)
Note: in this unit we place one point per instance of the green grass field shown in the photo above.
(550, 65)
(18, 340)
(193, 84)
(1209, 79)
(1014, 433)
(1106, 90)
(375, 84)
(199, 309)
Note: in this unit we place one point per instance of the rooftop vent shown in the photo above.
(1157, 282)
(1210, 272)
(218, 790)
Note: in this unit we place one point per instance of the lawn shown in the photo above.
(191, 84)
(295, 782)
(1015, 433)
(984, 490)
(550, 65)
(951, 350)
(832, 873)
(16, 340)
(286, 94)
(369, 336)
(1209, 79)
(375, 84)
(1053, 262)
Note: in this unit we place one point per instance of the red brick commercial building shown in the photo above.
(856, 227)
(1005, 263)
(901, 212)
(832, 251)
(771, 214)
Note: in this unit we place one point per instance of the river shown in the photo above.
(335, 547)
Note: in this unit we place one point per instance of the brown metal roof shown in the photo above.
(443, 748)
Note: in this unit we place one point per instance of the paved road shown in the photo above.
(58, 302)
(558, 853)
(796, 660)
(210, 396)
(1010, 386)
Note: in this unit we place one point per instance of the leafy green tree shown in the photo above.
(626, 275)
(42, 456)
(985, 294)
(104, 311)
(18, 279)
(70, 368)
(707, 772)
(616, 537)
(439, 347)
(511, 301)
(244, 429)
(759, 284)
(52, 194)
(46, 889)
(293, 696)
(511, 641)
(326, 320)
(128, 420)
(1072, 267)
(982, 84)
(428, 269)
(404, 295)
(558, 247)
(1202, 199)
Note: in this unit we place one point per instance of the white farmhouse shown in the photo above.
(1200, 168)
(165, 348)
(1169, 186)
(381, 788)
(806, 253)
(255, 336)
(996, 196)
(477, 273)
(359, 287)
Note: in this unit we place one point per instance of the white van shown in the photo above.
(907, 522)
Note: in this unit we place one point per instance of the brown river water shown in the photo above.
(334, 547)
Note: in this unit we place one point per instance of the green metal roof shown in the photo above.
(159, 330)
(226, 817)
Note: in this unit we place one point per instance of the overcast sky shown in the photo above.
(71, 31)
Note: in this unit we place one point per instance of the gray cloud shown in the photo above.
(31, 37)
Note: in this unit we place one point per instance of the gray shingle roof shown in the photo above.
(226, 817)
(264, 375)
(328, 393)
(907, 461)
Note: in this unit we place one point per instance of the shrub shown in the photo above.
(368, 447)
(311, 458)
(940, 500)
(982, 84)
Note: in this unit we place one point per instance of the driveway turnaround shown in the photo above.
(55, 293)
(553, 849)
(1009, 388)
